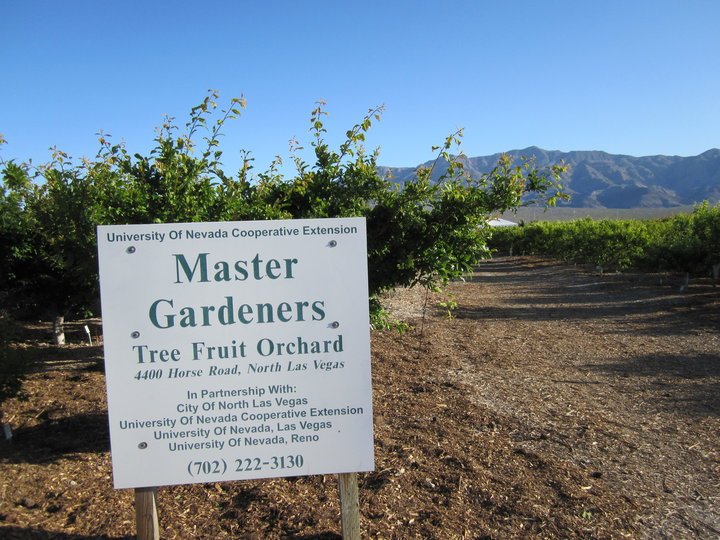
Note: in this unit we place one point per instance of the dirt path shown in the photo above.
(555, 404)
(617, 374)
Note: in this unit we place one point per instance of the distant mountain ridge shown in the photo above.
(601, 180)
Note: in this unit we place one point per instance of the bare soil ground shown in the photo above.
(555, 404)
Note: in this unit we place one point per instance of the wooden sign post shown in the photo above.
(147, 525)
(349, 506)
(236, 351)
(146, 516)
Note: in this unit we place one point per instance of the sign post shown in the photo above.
(349, 506)
(236, 350)
(146, 516)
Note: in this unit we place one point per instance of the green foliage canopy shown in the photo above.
(422, 232)
(682, 243)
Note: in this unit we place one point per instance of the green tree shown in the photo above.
(706, 224)
(15, 226)
(52, 265)
(423, 232)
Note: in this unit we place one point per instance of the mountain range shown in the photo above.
(600, 180)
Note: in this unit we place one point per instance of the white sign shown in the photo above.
(236, 350)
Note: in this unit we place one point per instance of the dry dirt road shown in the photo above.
(555, 404)
(617, 374)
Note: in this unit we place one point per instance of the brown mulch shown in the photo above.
(554, 404)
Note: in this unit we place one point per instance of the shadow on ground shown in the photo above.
(683, 384)
(54, 439)
(617, 297)
(25, 349)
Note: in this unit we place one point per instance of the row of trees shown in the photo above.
(421, 233)
(688, 243)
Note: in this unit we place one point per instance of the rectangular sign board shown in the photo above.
(236, 350)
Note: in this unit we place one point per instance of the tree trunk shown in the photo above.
(59, 330)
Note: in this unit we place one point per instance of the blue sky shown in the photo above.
(638, 77)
